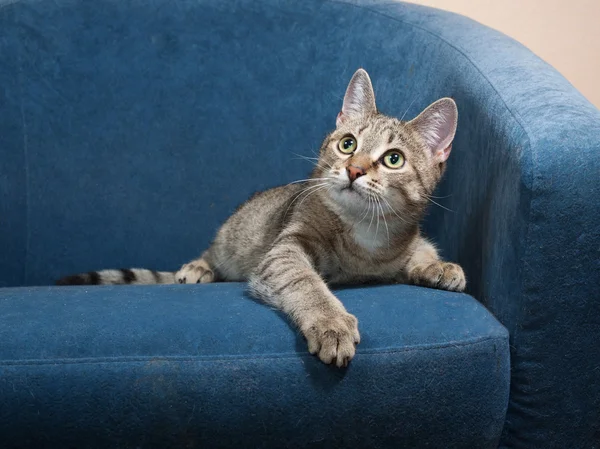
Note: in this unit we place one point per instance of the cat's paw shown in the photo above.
(442, 275)
(195, 272)
(333, 338)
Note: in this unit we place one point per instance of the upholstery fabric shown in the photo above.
(130, 130)
(205, 366)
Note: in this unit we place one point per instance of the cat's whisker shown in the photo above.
(384, 220)
(372, 216)
(392, 209)
(308, 180)
(322, 166)
(308, 158)
(438, 197)
(438, 204)
(325, 169)
(309, 194)
(409, 106)
(303, 156)
(306, 190)
(376, 229)
(297, 196)
(367, 209)
(313, 151)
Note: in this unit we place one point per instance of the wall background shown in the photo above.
(565, 34)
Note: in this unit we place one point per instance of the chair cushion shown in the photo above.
(207, 366)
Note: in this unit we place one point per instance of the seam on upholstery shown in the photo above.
(233, 357)
(514, 114)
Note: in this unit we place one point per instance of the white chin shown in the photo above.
(350, 199)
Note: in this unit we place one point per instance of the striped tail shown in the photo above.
(123, 276)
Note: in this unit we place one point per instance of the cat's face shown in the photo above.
(376, 164)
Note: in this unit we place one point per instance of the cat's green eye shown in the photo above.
(347, 145)
(393, 159)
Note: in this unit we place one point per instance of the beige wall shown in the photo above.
(565, 33)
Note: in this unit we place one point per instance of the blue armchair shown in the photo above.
(130, 130)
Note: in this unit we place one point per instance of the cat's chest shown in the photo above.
(369, 237)
(360, 259)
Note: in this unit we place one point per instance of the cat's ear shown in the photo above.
(359, 99)
(437, 126)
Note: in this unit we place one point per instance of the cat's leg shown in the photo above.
(287, 280)
(195, 272)
(425, 268)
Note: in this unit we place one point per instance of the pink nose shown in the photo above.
(355, 172)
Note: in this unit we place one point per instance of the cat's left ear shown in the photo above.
(359, 99)
(437, 126)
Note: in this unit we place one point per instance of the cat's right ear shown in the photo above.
(359, 99)
(437, 126)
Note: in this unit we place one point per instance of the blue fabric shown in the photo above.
(205, 366)
(130, 130)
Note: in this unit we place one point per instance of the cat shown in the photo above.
(356, 220)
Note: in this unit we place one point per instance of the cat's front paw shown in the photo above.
(333, 337)
(195, 272)
(442, 275)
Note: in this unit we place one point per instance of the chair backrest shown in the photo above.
(130, 130)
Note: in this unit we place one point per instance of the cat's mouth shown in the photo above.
(353, 199)
(352, 191)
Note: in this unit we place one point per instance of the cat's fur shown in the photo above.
(290, 242)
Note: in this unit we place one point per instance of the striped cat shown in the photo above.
(356, 220)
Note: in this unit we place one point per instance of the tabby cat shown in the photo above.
(356, 220)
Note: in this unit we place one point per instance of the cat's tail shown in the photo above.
(139, 276)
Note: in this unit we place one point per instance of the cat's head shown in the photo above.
(374, 161)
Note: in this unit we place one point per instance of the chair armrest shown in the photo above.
(523, 180)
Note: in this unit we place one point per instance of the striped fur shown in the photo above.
(356, 220)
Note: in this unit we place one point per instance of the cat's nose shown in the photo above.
(355, 172)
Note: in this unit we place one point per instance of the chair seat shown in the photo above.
(207, 366)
